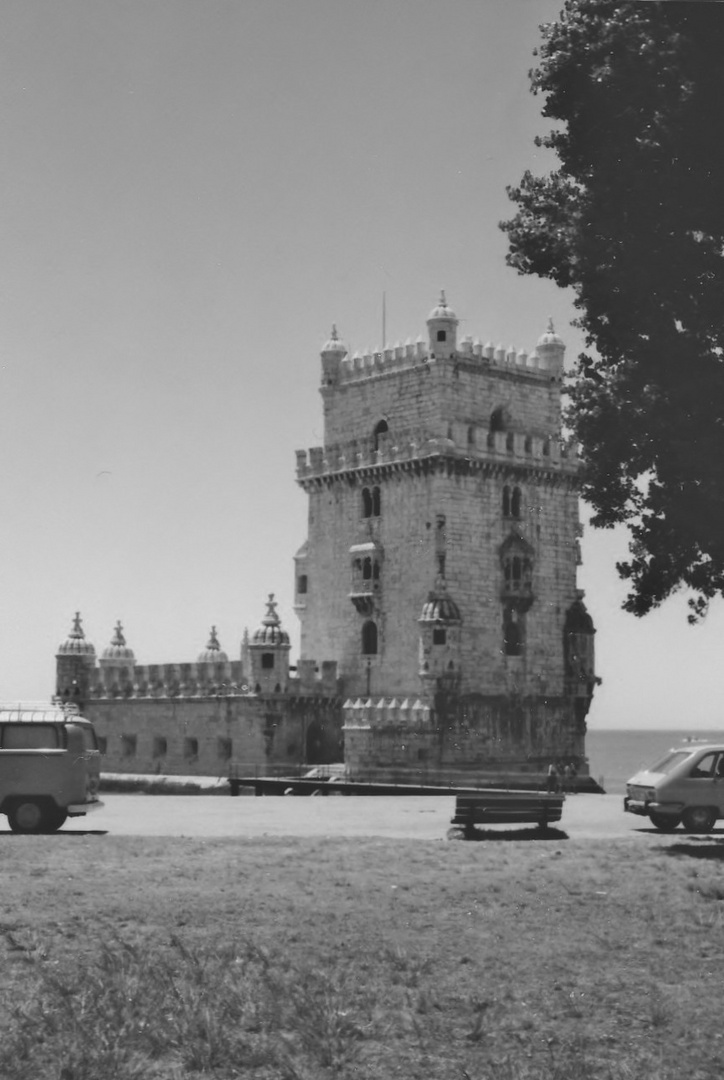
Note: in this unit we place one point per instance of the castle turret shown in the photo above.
(269, 649)
(439, 623)
(332, 354)
(117, 661)
(442, 328)
(75, 661)
(551, 350)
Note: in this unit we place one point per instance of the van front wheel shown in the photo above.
(28, 816)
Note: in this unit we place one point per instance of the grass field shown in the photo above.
(130, 959)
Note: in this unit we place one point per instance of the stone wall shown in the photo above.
(216, 736)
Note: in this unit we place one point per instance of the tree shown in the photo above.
(633, 221)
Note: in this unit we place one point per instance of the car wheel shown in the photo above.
(27, 816)
(664, 822)
(699, 819)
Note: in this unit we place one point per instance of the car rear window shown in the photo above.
(29, 737)
(672, 759)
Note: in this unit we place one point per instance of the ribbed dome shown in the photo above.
(551, 337)
(334, 345)
(440, 608)
(270, 632)
(443, 310)
(213, 653)
(76, 644)
(118, 650)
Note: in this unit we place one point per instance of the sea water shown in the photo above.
(614, 756)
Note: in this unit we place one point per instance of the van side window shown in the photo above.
(90, 741)
(29, 737)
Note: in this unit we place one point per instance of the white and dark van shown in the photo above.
(49, 766)
(685, 787)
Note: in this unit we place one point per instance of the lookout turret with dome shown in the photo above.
(74, 664)
(269, 653)
(551, 349)
(117, 662)
(332, 355)
(442, 329)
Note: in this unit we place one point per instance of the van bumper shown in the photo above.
(81, 808)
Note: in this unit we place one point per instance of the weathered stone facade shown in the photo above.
(214, 717)
(442, 632)
(440, 565)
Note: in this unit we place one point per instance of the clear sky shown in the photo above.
(192, 192)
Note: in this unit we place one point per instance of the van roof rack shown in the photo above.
(28, 712)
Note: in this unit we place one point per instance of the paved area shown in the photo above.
(585, 817)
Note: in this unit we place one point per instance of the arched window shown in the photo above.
(471, 436)
(517, 561)
(506, 501)
(366, 503)
(367, 569)
(381, 429)
(369, 638)
(509, 441)
(499, 419)
(512, 633)
(515, 503)
(375, 502)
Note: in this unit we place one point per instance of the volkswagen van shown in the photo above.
(685, 787)
(49, 766)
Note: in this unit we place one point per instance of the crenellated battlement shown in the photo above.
(199, 680)
(372, 362)
(405, 713)
(467, 442)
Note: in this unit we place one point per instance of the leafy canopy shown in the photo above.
(633, 222)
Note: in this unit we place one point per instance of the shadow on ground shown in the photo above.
(699, 847)
(4, 834)
(493, 835)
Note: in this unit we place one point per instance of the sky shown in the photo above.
(193, 192)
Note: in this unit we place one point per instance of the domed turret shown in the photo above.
(213, 653)
(439, 622)
(74, 663)
(270, 632)
(118, 651)
(269, 651)
(442, 326)
(75, 644)
(551, 349)
(116, 663)
(440, 608)
(332, 355)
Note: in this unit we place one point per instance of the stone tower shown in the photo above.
(439, 570)
(74, 665)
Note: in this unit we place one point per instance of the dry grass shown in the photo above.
(126, 959)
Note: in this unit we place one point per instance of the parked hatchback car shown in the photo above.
(685, 787)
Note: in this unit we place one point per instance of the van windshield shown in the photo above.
(29, 737)
(672, 759)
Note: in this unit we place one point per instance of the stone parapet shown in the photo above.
(394, 358)
(477, 444)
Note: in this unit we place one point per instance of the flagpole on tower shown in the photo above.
(384, 320)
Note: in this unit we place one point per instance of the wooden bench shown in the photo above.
(507, 808)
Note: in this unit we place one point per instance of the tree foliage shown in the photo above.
(633, 221)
